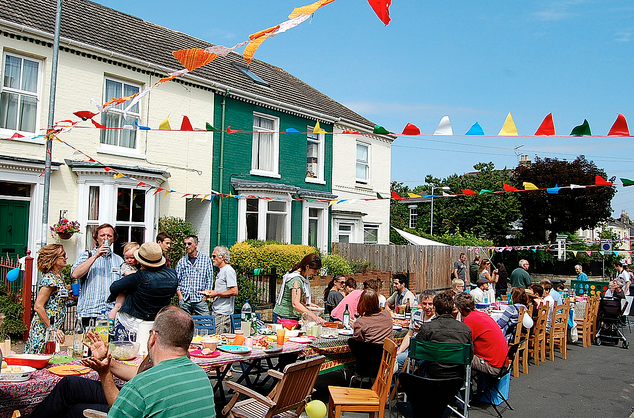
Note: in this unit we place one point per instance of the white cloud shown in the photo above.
(559, 10)
(623, 36)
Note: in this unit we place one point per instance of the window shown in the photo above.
(20, 94)
(315, 225)
(264, 220)
(314, 156)
(253, 76)
(413, 216)
(370, 234)
(264, 158)
(130, 215)
(344, 232)
(113, 118)
(363, 163)
(313, 222)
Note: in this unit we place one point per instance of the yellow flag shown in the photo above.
(167, 192)
(118, 176)
(529, 186)
(317, 129)
(332, 202)
(165, 125)
(509, 128)
(205, 197)
(413, 195)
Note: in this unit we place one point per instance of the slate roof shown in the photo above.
(105, 28)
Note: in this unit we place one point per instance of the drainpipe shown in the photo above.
(221, 164)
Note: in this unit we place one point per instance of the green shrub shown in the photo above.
(359, 266)
(246, 291)
(178, 228)
(11, 306)
(335, 264)
(246, 256)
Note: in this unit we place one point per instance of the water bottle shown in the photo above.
(246, 312)
(510, 299)
(486, 299)
(89, 328)
(78, 340)
(415, 306)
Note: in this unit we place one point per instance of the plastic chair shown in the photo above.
(205, 322)
(366, 400)
(492, 382)
(448, 353)
(289, 394)
(558, 333)
(368, 360)
(427, 397)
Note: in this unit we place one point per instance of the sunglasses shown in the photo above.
(189, 243)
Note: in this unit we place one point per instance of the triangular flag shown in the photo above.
(97, 124)
(380, 130)
(193, 58)
(411, 129)
(349, 132)
(589, 253)
(308, 10)
(627, 182)
(534, 250)
(395, 196)
(209, 127)
(616, 253)
(378, 196)
(547, 127)
(143, 128)
(581, 130)
(186, 125)
(469, 192)
(529, 186)
(574, 253)
(85, 114)
(444, 127)
(414, 195)
(16, 136)
(553, 190)
(483, 191)
(600, 181)
(332, 202)
(602, 252)
(158, 190)
(167, 192)
(256, 40)
(509, 128)
(165, 125)
(118, 176)
(292, 130)
(620, 127)
(317, 129)
(382, 9)
(508, 188)
(576, 186)
(476, 129)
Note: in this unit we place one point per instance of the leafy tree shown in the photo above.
(399, 214)
(545, 215)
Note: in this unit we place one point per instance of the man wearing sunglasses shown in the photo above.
(195, 273)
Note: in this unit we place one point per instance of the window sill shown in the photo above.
(120, 151)
(314, 180)
(265, 174)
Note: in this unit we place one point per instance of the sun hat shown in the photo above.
(150, 255)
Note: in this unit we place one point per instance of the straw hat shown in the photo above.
(150, 255)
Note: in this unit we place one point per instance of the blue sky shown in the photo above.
(472, 61)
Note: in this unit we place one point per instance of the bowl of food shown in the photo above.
(124, 350)
(37, 361)
(210, 343)
(288, 323)
(16, 373)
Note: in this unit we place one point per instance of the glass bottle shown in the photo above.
(78, 340)
(51, 341)
(346, 318)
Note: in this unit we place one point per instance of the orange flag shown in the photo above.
(256, 40)
(308, 10)
(194, 58)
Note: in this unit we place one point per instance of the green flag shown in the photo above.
(627, 182)
(378, 196)
(380, 130)
(581, 130)
(209, 127)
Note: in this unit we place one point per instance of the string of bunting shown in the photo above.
(546, 247)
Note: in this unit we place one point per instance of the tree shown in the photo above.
(544, 215)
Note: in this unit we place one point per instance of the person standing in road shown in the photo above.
(195, 273)
(225, 290)
(520, 276)
(580, 274)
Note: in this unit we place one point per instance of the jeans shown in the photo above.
(194, 308)
(70, 397)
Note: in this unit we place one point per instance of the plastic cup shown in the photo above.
(75, 289)
(245, 326)
(280, 336)
(315, 331)
(239, 340)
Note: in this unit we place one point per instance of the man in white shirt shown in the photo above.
(482, 293)
(225, 290)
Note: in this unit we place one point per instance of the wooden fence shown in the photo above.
(21, 288)
(431, 264)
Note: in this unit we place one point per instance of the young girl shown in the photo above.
(129, 266)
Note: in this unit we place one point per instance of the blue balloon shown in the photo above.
(13, 274)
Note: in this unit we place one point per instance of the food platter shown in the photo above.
(199, 353)
(346, 332)
(16, 373)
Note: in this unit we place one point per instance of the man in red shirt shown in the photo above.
(489, 345)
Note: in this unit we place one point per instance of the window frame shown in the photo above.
(413, 216)
(118, 148)
(322, 223)
(367, 163)
(371, 226)
(37, 95)
(255, 170)
(262, 217)
(320, 141)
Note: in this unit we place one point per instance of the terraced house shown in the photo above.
(285, 173)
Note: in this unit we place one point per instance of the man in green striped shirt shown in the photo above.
(175, 386)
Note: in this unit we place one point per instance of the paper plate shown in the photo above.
(346, 332)
(235, 349)
(69, 370)
(301, 340)
(59, 359)
(396, 327)
(199, 353)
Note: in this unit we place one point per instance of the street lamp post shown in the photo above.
(431, 229)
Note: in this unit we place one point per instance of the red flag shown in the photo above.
(382, 9)
(508, 188)
(186, 125)
(600, 181)
(395, 196)
(469, 192)
(411, 129)
(620, 127)
(85, 114)
(98, 125)
(16, 136)
(547, 127)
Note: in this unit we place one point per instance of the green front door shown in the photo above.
(14, 225)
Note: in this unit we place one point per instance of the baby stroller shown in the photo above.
(609, 316)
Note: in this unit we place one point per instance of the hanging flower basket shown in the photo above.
(65, 228)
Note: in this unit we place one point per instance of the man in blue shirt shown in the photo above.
(580, 274)
(96, 270)
(195, 274)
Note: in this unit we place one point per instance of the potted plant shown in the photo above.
(65, 228)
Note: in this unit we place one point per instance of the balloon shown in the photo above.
(316, 409)
(13, 274)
